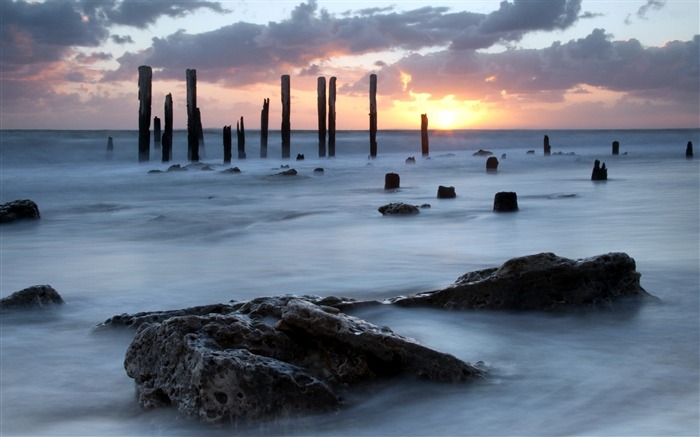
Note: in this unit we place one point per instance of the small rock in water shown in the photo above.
(24, 209)
(398, 209)
(36, 297)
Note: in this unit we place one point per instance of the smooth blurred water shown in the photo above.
(114, 238)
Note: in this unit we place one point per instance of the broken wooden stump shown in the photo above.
(547, 148)
(321, 108)
(491, 163)
(600, 173)
(446, 192)
(145, 78)
(424, 144)
(286, 115)
(167, 139)
(110, 148)
(373, 115)
(192, 118)
(392, 181)
(615, 147)
(156, 133)
(331, 117)
(227, 144)
(264, 127)
(689, 150)
(505, 201)
(240, 132)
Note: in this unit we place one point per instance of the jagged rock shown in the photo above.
(398, 209)
(444, 192)
(540, 282)
(482, 152)
(36, 297)
(24, 209)
(231, 170)
(505, 201)
(290, 172)
(273, 357)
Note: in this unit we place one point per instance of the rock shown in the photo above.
(36, 297)
(177, 167)
(446, 192)
(290, 172)
(600, 173)
(398, 209)
(503, 156)
(24, 209)
(530, 152)
(319, 170)
(300, 156)
(541, 282)
(411, 160)
(482, 152)
(231, 170)
(492, 163)
(271, 358)
(392, 181)
(505, 201)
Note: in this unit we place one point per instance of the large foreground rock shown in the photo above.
(36, 297)
(541, 282)
(270, 358)
(19, 210)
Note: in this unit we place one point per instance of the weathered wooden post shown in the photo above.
(321, 108)
(689, 150)
(110, 148)
(264, 126)
(425, 147)
(156, 133)
(167, 140)
(615, 147)
(286, 115)
(392, 181)
(505, 201)
(373, 115)
(547, 148)
(240, 132)
(331, 117)
(227, 144)
(192, 119)
(145, 78)
(491, 163)
(599, 173)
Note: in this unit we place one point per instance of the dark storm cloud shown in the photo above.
(141, 14)
(122, 39)
(241, 53)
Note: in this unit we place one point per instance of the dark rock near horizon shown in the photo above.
(300, 156)
(530, 152)
(444, 192)
(392, 181)
(541, 282)
(290, 172)
(319, 170)
(177, 167)
(23, 209)
(411, 160)
(398, 209)
(599, 173)
(231, 170)
(36, 297)
(505, 201)
(492, 163)
(482, 152)
(272, 358)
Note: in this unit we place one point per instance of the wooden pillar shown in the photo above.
(156, 133)
(286, 115)
(321, 108)
(167, 140)
(240, 132)
(373, 115)
(145, 78)
(425, 147)
(110, 148)
(547, 148)
(331, 117)
(264, 126)
(615, 147)
(227, 144)
(689, 150)
(192, 122)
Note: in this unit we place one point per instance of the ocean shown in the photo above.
(115, 238)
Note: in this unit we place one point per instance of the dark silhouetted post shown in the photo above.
(240, 133)
(264, 127)
(505, 201)
(200, 135)
(192, 119)
(615, 147)
(689, 150)
(373, 115)
(600, 173)
(424, 145)
(167, 140)
(110, 148)
(156, 133)
(547, 148)
(145, 78)
(446, 192)
(227, 144)
(392, 181)
(286, 116)
(331, 117)
(491, 163)
(321, 106)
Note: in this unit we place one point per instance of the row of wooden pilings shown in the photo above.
(194, 120)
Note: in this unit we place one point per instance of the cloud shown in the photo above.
(122, 39)
(141, 14)
(645, 8)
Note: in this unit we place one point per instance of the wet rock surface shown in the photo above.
(36, 297)
(398, 209)
(541, 282)
(23, 209)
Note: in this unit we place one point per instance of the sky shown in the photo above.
(468, 64)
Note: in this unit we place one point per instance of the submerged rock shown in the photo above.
(398, 209)
(540, 282)
(482, 152)
(272, 357)
(36, 297)
(24, 209)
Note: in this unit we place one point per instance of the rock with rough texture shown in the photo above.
(24, 209)
(290, 172)
(541, 282)
(271, 358)
(482, 152)
(398, 209)
(36, 297)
